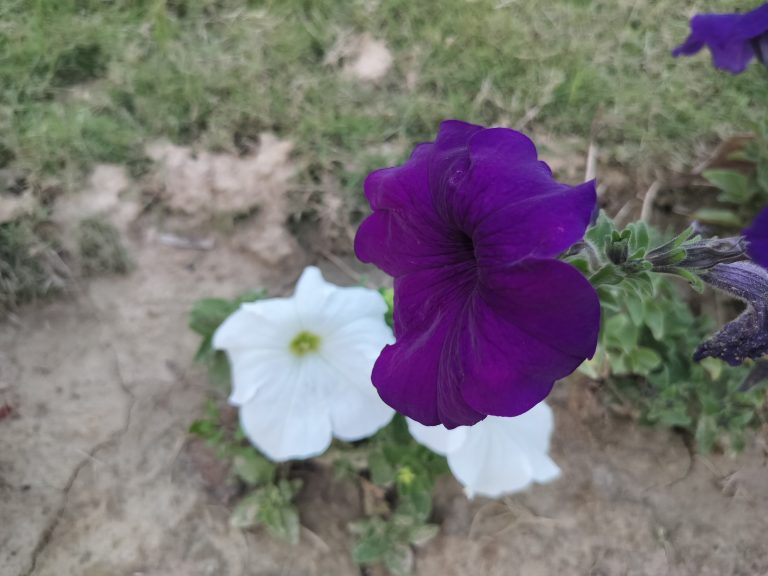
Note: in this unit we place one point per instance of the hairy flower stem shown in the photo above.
(699, 254)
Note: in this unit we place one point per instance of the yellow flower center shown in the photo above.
(304, 343)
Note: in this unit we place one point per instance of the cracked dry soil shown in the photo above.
(98, 478)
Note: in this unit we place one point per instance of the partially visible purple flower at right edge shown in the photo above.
(738, 266)
(757, 239)
(746, 336)
(733, 39)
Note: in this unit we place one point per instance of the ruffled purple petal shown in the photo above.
(420, 374)
(495, 347)
(733, 57)
(545, 226)
(757, 238)
(519, 342)
(509, 204)
(403, 233)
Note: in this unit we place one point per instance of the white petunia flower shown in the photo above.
(301, 367)
(497, 455)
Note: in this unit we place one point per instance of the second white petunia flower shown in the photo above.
(497, 455)
(301, 367)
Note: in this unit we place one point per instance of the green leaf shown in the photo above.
(718, 217)
(644, 284)
(600, 232)
(245, 515)
(693, 279)
(423, 533)
(620, 332)
(205, 349)
(635, 309)
(382, 472)
(618, 364)
(644, 360)
(713, 366)
(252, 468)
(399, 560)
(416, 500)
(209, 427)
(706, 434)
(218, 368)
(743, 420)
(202, 428)
(207, 314)
(608, 274)
(277, 512)
(640, 238)
(654, 319)
(580, 263)
(374, 541)
(734, 185)
(283, 523)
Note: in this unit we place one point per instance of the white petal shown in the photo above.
(356, 409)
(267, 324)
(438, 438)
(532, 432)
(290, 418)
(349, 305)
(365, 336)
(358, 414)
(488, 465)
(544, 468)
(533, 429)
(252, 369)
(353, 349)
(505, 455)
(310, 297)
(324, 307)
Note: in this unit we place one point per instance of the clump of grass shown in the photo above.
(101, 248)
(30, 266)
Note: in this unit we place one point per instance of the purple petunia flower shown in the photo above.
(485, 318)
(757, 238)
(733, 39)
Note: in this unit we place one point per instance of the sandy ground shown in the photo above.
(98, 476)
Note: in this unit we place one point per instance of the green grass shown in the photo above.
(88, 81)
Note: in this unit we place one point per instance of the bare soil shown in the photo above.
(98, 476)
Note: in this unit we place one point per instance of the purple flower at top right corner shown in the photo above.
(757, 239)
(733, 39)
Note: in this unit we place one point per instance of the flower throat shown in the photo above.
(304, 343)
